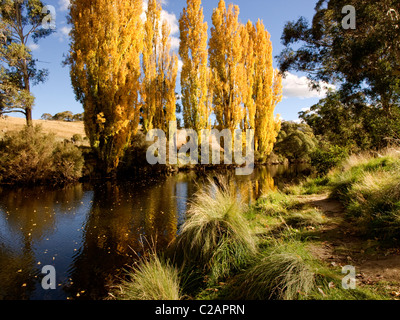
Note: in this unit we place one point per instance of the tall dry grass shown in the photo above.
(151, 279)
(369, 186)
(283, 272)
(216, 236)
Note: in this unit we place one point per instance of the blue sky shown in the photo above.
(57, 95)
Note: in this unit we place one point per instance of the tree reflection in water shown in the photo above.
(91, 232)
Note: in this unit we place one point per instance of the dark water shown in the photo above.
(91, 232)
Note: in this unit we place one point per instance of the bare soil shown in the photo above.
(340, 244)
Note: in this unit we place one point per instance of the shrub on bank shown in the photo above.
(31, 156)
(326, 158)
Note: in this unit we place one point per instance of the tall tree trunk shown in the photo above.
(28, 116)
(27, 87)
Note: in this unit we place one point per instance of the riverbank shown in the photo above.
(305, 235)
(55, 135)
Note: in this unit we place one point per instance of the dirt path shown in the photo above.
(339, 244)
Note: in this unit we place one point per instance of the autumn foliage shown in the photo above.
(160, 70)
(105, 72)
(195, 73)
(246, 88)
(124, 73)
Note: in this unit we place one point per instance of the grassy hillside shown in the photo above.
(62, 130)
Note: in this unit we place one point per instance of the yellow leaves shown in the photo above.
(227, 52)
(106, 43)
(194, 75)
(122, 69)
(160, 69)
(246, 89)
(101, 118)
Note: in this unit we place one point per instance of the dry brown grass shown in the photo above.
(62, 130)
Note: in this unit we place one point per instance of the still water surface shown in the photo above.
(91, 232)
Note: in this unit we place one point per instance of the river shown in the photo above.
(91, 232)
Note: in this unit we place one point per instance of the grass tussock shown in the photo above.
(309, 186)
(367, 184)
(216, 236)
(369, 187)
(151, 279)
(283, 272)
(277, 203)
(307, 218)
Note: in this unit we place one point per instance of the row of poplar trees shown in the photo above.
(124, 73)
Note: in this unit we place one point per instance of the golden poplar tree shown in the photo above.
(246, 88)
(168, 69)
(247, 44)
(228, 67)
(195, 74)
(160, 69)
(106, 43)
(267, 91)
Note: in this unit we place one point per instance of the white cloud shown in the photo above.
(298, 87)
(172, 21)
(180, 65)
(33, 46)
(64, 4)
(170, 18)
(65, 31)
(175, 43)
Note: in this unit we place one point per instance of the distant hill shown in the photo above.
(63, 130)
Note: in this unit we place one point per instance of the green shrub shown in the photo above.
(76, 138)
(324, 159)
(295, 142)
(67, 163)
(31, 156)
(150, 279)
